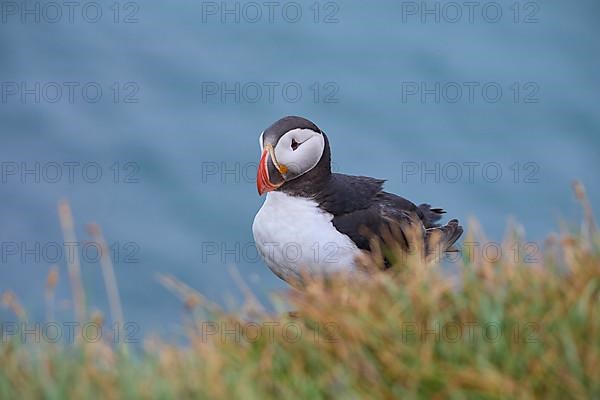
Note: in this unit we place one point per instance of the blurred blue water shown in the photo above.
(177, 132)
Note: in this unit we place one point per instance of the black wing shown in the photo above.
(359, 205)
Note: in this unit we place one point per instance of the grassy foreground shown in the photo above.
(506, 326)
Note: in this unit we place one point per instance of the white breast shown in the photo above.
(292, 233)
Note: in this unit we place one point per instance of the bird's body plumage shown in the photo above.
(294, 233)
(320, 221)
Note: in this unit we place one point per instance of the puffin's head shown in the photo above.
(291, 147)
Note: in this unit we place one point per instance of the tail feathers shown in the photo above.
(430, 216)
(444, 237)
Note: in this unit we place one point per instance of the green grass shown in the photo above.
(380, 335)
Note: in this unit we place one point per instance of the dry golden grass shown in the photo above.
(500, 329)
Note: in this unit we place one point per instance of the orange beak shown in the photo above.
(263, 183)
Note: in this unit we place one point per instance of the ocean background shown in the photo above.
(186, 156)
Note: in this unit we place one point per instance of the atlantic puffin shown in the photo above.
(317, 221)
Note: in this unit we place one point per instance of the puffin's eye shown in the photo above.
(295, 144)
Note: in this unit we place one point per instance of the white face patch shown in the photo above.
(299, 150)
